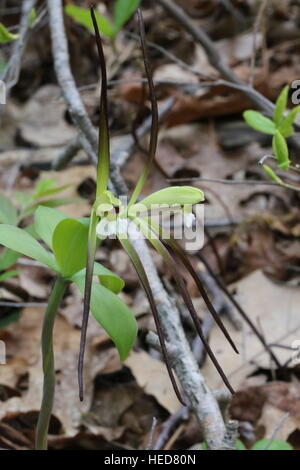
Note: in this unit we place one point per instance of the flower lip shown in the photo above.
(106, 228)
(189, 219)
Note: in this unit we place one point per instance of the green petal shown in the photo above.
(123, 10)
(271, 173)
(174, 195)
(83, 17)
(18, 240)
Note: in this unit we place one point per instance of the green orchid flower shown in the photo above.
(111, 217)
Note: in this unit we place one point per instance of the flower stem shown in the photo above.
(48, 363)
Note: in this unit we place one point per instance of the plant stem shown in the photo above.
(48, 363)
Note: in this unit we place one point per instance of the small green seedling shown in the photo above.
(67, 240)
(123, 10)
(280, 127)
(276, 444)
(6, 36)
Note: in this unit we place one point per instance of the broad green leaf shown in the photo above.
(113, 315)
(88, 280)
(6, 36)
(286, 127)
(281, 151)
(45, 221)
(259, 122)
(8, 212)
(45, 184)
(69, 243)
(122, 12)
(154, 117)
(57, 202)
(107, 278)
(271, 173)
(44, 191)
(85, 221)
(174, 195)
(83, 17)
(18, 240)
(8, 275)
(275, 445)
(8, 258)
(281, 105)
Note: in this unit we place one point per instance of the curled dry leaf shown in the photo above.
(274, 309)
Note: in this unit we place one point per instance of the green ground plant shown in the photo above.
(122, 11)
(281, 126)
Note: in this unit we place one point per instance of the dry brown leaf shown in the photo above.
(152, 376)
(265, 406)
(23, 345)
(274, 310)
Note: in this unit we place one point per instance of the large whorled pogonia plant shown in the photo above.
(110, 217)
